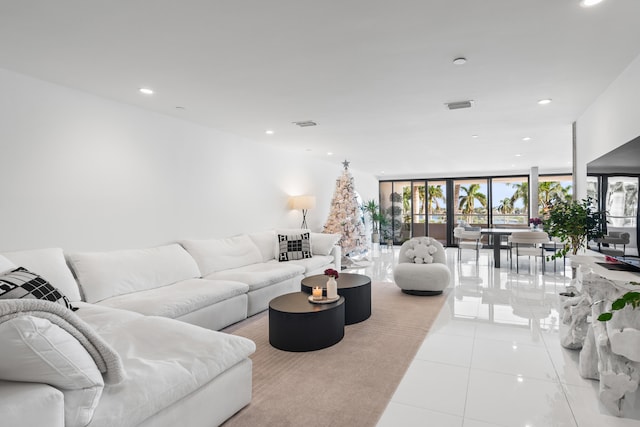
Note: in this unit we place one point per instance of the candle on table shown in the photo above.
(317, 293)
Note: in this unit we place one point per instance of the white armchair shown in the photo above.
(422, 267)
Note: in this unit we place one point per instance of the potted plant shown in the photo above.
(372, 208)
(573, 222)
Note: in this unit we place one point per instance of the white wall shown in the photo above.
(85, 173)
(611, 121)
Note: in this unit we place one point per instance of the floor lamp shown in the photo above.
(303, 203)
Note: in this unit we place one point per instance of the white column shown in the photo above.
(533, 193)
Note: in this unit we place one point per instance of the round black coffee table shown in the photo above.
(295, 324)
(356, 290)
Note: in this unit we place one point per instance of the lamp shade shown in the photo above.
(303, 202)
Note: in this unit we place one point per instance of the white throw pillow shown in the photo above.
(35, 350)
(50, 264)
(323, 243)
(21, 283)
(294, 246)
(223, 254)
(106, 274)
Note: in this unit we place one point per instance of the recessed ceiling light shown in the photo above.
(589, 3)
(544, 101)
(381, 172)
(526, 138)
(475, 136)
(518, 155)
(146, 91)
(329, 153)
(460, 60)
(269, 132)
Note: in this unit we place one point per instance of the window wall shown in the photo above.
(432, 207)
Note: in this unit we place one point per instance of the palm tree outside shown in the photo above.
(467, 204)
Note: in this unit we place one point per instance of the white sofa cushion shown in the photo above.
(323, 243)
(165, 360)
(265, 241)
(259, 275)
(45, 404)
(178, 299)
(50, 264)
(106, 274)
(223, 254)
(35, 350)
(312, 264)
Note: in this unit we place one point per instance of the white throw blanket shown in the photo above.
(106, 359)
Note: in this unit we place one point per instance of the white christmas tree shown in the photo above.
(345, 216)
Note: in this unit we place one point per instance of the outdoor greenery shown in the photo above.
(574, 222)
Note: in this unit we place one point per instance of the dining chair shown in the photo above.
(528, 243)
(467, 239)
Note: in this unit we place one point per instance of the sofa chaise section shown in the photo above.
(156, 354)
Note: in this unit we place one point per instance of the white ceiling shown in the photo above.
(373, 74)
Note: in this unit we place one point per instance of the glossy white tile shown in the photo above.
(398, 415)
(449, 349)
(435, 386)
(512, 400)
(514, 358)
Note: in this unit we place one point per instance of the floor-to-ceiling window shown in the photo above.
(419, 220)
(437, 209)
(395, 206)
(471, 202)
(510, 201)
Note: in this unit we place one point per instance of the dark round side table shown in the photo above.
(295, 324)
(356, 290)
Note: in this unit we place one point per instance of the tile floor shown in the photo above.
(493, 357)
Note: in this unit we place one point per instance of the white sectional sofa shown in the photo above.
(159, 310)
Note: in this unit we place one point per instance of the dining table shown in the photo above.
(495, 235)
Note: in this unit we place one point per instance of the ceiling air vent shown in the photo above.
(305, 123)
(458, 105)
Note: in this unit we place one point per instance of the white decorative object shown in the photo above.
(610, 351)
(332, 288)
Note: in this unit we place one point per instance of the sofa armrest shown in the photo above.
(336, 253)
(31, 404)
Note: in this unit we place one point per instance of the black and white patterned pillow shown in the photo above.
(294, 246)
(21, 283)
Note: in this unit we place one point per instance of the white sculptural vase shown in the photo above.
(332, 288)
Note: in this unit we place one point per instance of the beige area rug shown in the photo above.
(348, 384)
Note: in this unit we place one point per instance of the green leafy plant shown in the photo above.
(573, 222)
(373, 210)
(631, 298)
